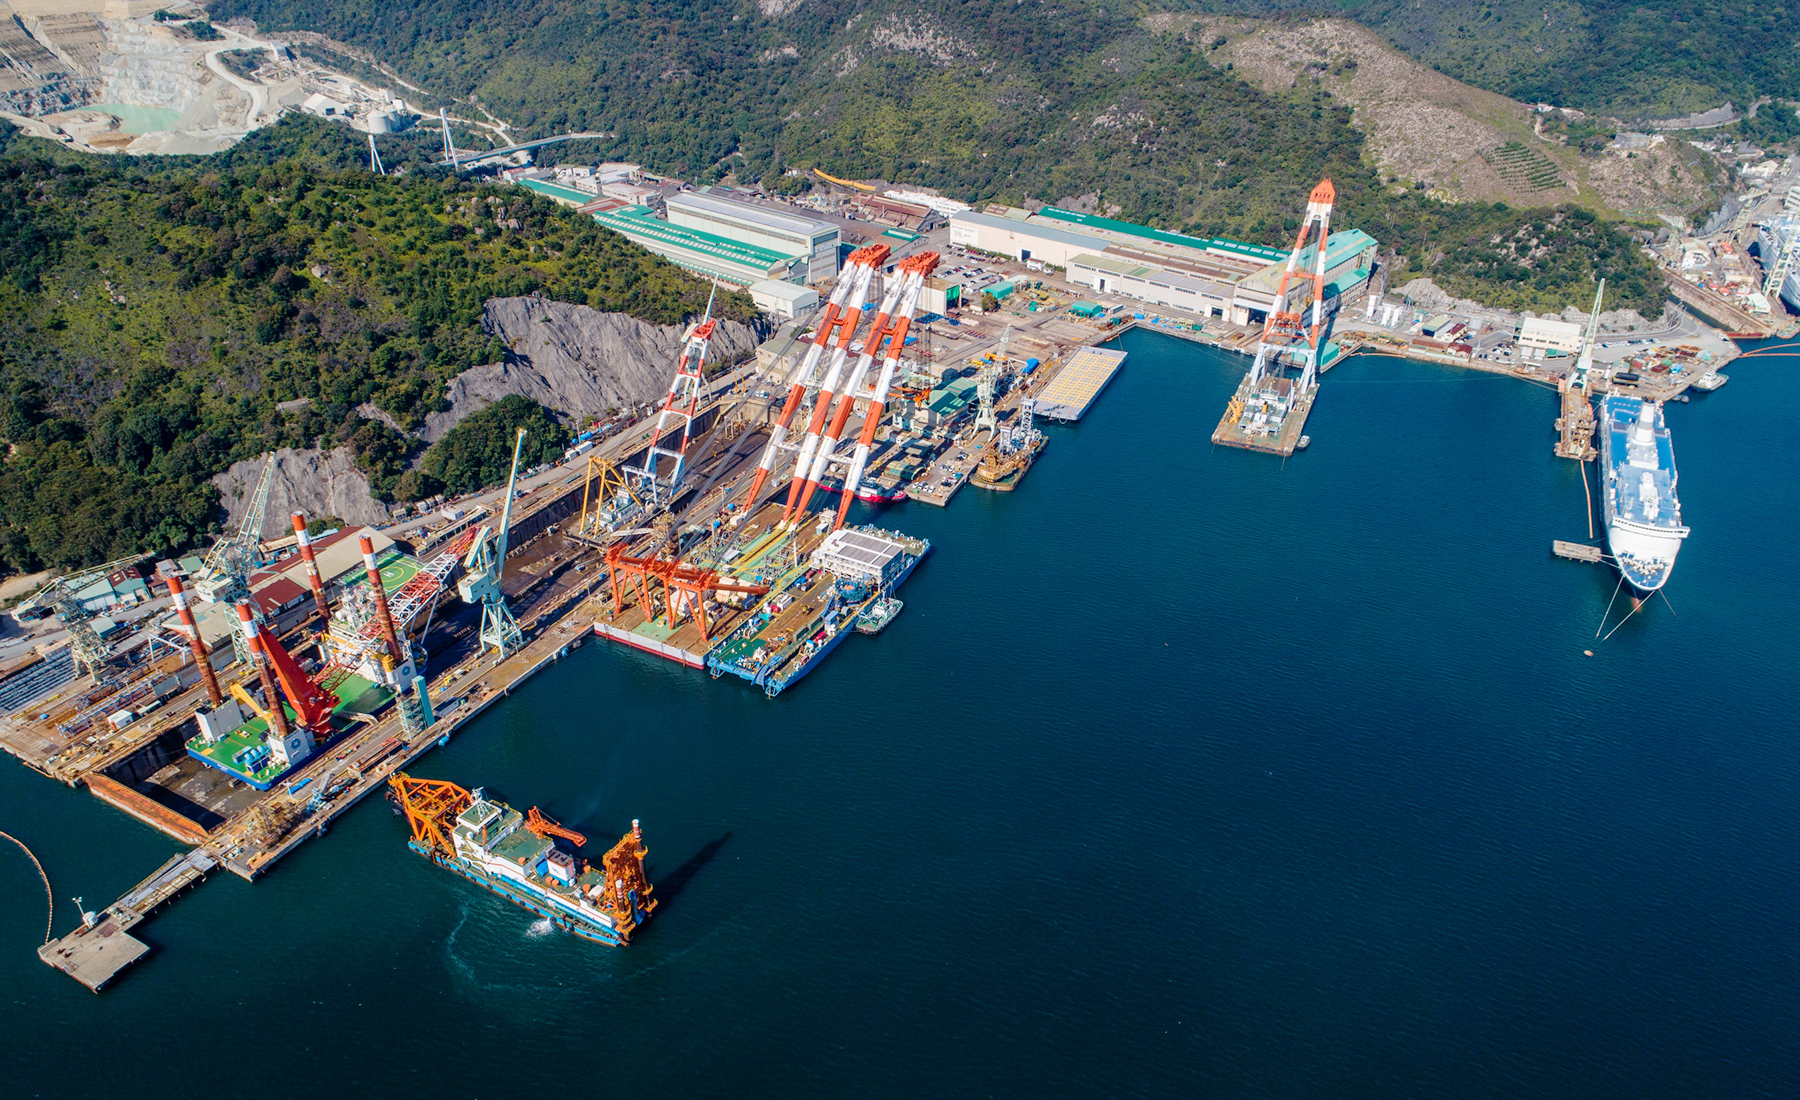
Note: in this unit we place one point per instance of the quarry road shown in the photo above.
(259, 95)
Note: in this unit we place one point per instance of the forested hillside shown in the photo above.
(1638, 59)
(1058, 100)
(160, 319)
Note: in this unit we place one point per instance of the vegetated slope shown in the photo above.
(1638, 59)
(1059, 100)
(155, 315)
(1462, 142)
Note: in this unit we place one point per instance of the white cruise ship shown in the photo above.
(1643, 514)
(1771, 236)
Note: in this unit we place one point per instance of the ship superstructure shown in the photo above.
(1778, 241)
(516, 855)
(1643, 513)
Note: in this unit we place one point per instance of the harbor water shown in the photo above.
(1184, 772)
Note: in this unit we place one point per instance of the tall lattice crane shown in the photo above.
(987, 387)
(487, 557)
(655, 481)
(61, 596)
(225, 578)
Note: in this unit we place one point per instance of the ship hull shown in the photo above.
(524, 898)
(782, 678)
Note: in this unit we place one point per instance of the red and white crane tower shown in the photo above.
(912, 272)
(889, 328)
(1286, 329)
(852, 287)
(883, 341)
(683, 405)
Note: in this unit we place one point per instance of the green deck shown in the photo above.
(356, 696)
(396, 570)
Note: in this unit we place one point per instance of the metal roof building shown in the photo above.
(814, 242)
(704, 253)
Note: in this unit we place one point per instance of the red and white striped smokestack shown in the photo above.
(179, 595)
(312, 569)
(277, 709)
(384, 616)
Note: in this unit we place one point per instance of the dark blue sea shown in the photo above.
(1186, 772)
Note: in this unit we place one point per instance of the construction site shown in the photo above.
(271, 685)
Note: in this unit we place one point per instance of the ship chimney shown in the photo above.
(312, 570)
(192, 629)
(383, 615)
(1644, 432)
(278, 722)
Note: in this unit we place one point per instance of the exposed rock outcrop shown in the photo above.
(320, 483)
(576, 360)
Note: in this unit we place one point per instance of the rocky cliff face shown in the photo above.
(576, 360)
(569, 358)
(319, 483)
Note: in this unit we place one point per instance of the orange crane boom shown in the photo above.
(545, 827)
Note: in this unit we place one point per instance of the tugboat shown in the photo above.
(880, 613)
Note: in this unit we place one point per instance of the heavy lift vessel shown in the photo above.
(1270, 407)
(516, 856)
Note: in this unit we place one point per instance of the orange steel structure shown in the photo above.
(624, 870)
(1286, 327)
(430, 806)
(543, 826)
(686, 580)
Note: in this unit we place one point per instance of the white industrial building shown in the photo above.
(782, 299)
(814, 242)
(1206, 276)
(1019, 238)
(1544, 335)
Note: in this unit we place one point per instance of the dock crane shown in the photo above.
(987, 386)
(225, 578)
(59, 595)
(481, 584)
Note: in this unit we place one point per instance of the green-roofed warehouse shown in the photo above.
(701, 252)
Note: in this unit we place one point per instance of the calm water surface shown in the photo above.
(1185, 772)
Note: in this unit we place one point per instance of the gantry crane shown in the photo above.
(62, 597)
(487, 557)
(884, 340)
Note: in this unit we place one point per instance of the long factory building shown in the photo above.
(736, 242)
(1212, 277)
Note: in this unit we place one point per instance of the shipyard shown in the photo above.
(735, 528)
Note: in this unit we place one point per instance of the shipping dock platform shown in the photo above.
(1073, 390)
(639, 600)
(1266, 415)
(812, 610)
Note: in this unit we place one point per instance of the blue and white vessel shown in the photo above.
(1643, 514)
